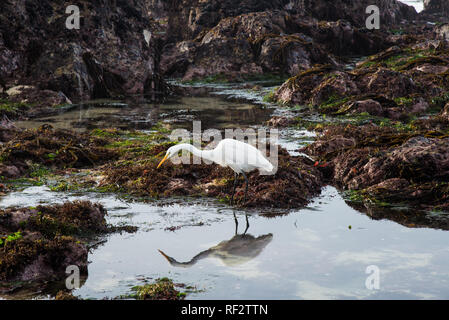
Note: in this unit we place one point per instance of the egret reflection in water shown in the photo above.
(238, 250)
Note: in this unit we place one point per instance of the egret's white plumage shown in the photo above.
(239, 156)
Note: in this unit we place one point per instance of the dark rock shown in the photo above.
(280, 121)
(443, 31)
(385, 164)
(188, 18)
(53, 148)
(339, 84)
(64, 295)
(37, 49)
(391, 11)
(38, 244)
(9, 171)
(393, 83)
(371, 106)
(436, 6)
(274, 41)
(36, 97)
(445, 112)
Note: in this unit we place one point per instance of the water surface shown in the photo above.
(319, 252)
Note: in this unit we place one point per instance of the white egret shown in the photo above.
(239, 156)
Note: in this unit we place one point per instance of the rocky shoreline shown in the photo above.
(397, 154)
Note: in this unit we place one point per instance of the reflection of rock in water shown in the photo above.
(407, 217)
(236, 251)
(43, 289)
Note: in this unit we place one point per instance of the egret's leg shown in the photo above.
(233, 190)
(236, 224)
(247, 182)
(247, 224)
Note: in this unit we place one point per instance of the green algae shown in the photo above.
(161, 289)
(12, 108)
(10, 238)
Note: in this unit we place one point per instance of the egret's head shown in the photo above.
(172, 151)
(168, 155)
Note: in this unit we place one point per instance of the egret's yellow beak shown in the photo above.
(163, 160)
(169, 259)
(165, 256)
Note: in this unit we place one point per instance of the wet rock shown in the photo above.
(445, 112)
(338, 85)
(36, 97)
(276, 41)
(177, 57)
(371, 106)
(64, 295)
(70, 218)
(87, 63)
(443, 31)
(37, 260)
(280, 121)
(190, 17)
(432, 69)
(386, 164)
(231, 58)
(3, 189)
(9, 171)
(162, 289)
(241, 46)
(392, 12)
(331, 145)
(54, 148)
(343, 38)
(436, 6)
(420, 106)
(400, 80)
(393, 84)
(273, 41)
(298, 89)
(289, 54)
(38, 244)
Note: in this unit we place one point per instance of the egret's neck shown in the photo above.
(204, 154)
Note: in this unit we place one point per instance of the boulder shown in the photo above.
(392, 83)
(188, 18)
(35, 96)
(370, 106)
(442, 31)
(36, 48)
(436, 6)
(386, 164)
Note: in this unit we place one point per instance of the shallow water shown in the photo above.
(418, 4)
(213, 111)
(308, 254)
(319, 252)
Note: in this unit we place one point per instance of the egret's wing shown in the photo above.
(243, 156)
